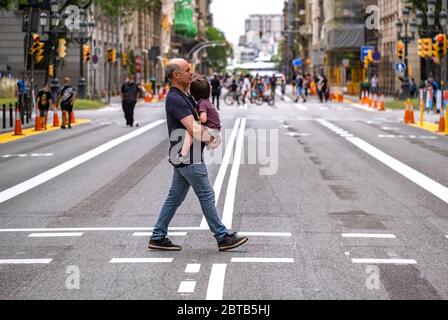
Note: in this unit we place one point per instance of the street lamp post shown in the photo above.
(429, 31)
(410, 28)
(81, 38)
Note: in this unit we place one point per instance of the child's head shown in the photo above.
(200, 88)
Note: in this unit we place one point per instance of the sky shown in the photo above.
(229, 15)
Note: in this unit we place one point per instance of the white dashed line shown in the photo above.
(193, 268)
(187, 287)
(300, 107)
(262, 260)
(384, 261)
(170, 234)
(26, 261)
(265, 234)
(55, 235)
(215, 289)
(369, 235)
(105, 229)
(141, 260)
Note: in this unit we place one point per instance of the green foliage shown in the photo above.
(113, 8)
(218, 55)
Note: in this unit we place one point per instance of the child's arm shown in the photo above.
(203, 117)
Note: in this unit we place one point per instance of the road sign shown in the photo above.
(297, 62)
(95, 59)
(365, 52)
(98, 52)
(400, 67)
(377, 56)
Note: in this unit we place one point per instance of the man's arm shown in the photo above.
(196, 130)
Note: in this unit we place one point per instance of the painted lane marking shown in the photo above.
(384, 261)
(215, 289)
(300, 107)
(136, 229)
(55, 235)
(223, 169)
(187, 287)
(265, 234)
(26, 261)
(295, 134)
(170, 234)
(140, 260)
(34, 155)
(193, 268)
(368, 235)
(229, 203)
(262, 260)
(411, 174)
(285, 97)
(57, 171)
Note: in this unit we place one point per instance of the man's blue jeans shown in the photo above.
(196, 176)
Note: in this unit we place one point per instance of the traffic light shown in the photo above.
(400, 50)
(368, 59)
(51, 71)
(441, 45)
(435, 52)
(427, 47)
(421, 48)
(62, 49)
(124, 59)
(111, 55)
(86, 53)
(36, 40)
(39, 52)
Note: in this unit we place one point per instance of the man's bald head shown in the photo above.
(179, 72)
(175, 65)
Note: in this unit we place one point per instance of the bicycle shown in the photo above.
(230, 98)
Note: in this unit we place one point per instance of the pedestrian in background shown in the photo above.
(374, 85)
(130, 92)
(216, 90)
(43, 102)
(66, 99)
(182, 119)
(22, 93)
(283, 88)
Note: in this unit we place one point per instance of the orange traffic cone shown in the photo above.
(442, 122)
(55, 119)
(411, 113)
(375, 102)
(406, 113)
(38, 124)
(382, 104)
(361, 101)
(18, 128)
(72, 118)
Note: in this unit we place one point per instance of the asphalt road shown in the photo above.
(338, 203)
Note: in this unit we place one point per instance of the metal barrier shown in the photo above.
(4, 114)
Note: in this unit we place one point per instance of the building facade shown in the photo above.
(390, 11)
